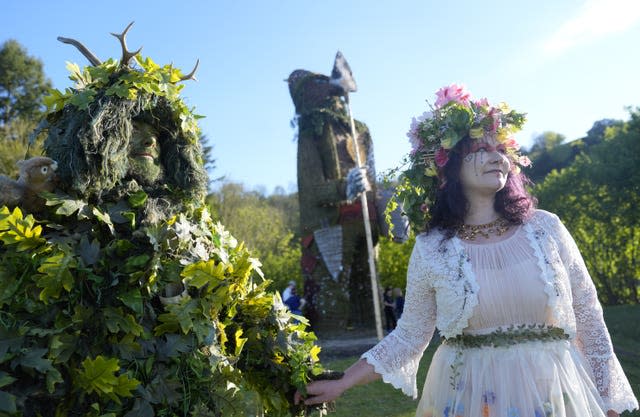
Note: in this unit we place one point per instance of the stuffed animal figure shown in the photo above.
(37, 174)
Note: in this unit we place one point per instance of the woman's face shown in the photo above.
(484, 168)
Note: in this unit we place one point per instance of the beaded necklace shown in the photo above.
(470, 231)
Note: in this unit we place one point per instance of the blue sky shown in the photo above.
(566, 63)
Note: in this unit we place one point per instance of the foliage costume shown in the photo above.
(126, 298)
(532, 284)
(334, 250)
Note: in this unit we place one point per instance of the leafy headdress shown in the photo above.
(90, 126)
(434, 134)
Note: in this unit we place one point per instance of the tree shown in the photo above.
(597, 197)
(549, 153)
(547, 141)
(597, 131)
(22, 88)
(22, 84)
(393, 261)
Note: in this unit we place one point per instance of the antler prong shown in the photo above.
(126, 55)
(190, 76)
(86, 52)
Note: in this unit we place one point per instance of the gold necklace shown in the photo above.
(471, 231)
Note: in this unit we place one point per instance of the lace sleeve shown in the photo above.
(592, 336)
(398, 355)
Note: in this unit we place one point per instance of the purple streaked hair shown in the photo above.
(513, 202)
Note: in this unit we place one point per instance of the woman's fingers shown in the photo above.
(319, 392)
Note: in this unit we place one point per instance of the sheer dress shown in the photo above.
(533, 277)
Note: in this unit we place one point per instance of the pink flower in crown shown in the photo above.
(441, 157)
(524, 161)
(511, 143)
(483, 102)
(454, 92)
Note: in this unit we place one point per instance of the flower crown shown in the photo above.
(454, 116)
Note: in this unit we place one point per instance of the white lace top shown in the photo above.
(539, 276)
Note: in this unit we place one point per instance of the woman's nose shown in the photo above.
(497, 157)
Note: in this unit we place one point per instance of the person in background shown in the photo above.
(399, 302)
(389, 309)
(287, 291)
(503, 282)
(295, 303)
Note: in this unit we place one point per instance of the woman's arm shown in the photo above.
(328, 390)
(592, 335)
(397, 356)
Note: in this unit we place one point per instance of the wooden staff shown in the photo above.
(343, 77)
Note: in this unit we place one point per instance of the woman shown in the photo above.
(504, 284)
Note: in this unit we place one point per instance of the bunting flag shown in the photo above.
(329, 241)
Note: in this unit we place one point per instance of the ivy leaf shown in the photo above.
(33, 358)
(7, 402)
(138, 199)
(119, 89)
(141, 408)
(89, 252)
(239, 342)
(62, 347)
(98, 375)
(5, 379)
(173, 346)
(104, 218)
(136, 263)
(10, 341)
(133, 300)
(164, 389)
(117, 212)
(22, 231)
(202, 273)
(56, 275)
(53, 377)
(82, 99)
(179, 317)
(68, 205)
(117, 321)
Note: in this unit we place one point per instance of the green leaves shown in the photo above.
(55, 275)
(200, 274)
(110, 79)
(18, 230)
(89, 292)
(99, 375)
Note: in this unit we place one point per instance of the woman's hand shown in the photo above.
(319, 392)
(612, 413)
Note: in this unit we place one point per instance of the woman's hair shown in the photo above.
(513, 202)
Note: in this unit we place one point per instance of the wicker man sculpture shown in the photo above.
(334, 250)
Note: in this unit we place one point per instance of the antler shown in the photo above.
(126, 55)
(190, 76)
(86, 52)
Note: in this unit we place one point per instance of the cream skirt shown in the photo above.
(531, 379)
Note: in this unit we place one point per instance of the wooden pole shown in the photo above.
(367, 230)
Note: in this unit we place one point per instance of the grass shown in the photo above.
(378, 399)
